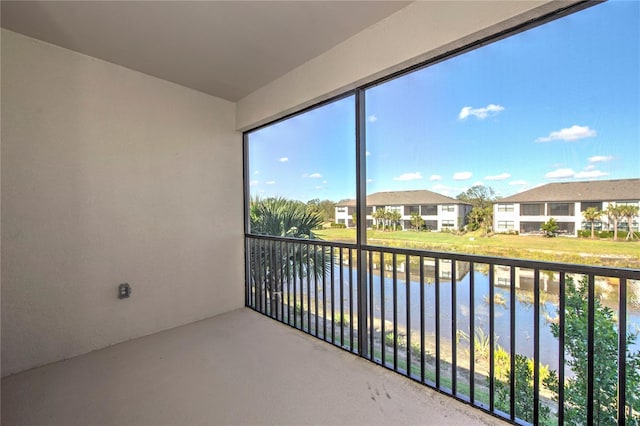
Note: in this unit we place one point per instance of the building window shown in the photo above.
(505, 207)
(530, 227)
(448, 208)
(369, 210)
(430, 225)
(341, 209)
(351, 211)
(532, 209)
(561, 209)
(429, 210)
(591, 204)
(505, 225)
(409, 210)
(448, 223)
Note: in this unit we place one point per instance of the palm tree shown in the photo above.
(591, 215)
(615, 213)
(629, 212)
(274, 263)
(379, 216)
(417, 221)
(394, 218)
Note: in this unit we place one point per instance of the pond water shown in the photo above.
(524, 312)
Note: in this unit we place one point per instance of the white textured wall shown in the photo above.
(111, 176)
(420, 31)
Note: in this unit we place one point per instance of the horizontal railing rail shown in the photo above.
(527, 341)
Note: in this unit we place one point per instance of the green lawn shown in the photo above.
(560, 249)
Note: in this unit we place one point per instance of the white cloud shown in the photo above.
(600, 158)
(569, 134)
(518, 183)
(590, 174)
(560, 174)
(435, 177)
(283, 159)
(254, 182)
(271, 182)
(367, 153)
(324, 182)
(462, 175)
(312, 176)
(501, 176)
(590, 167)
(257, 172)
(372, 118)
(409, 176)
(480, 113)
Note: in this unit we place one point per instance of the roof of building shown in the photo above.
(403, 198)
(596, 190)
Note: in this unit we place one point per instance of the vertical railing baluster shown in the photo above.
(454, 329)
(383, 344)
(622, 351)
(263, 276)
(273, 280)
(350, 299)
(536, 346)
(407, 283)
(341, 298)
(492, 340)
(590, 347)
(324, 292)
(302, 279)
(333, 298)
(294, 266)
(512, 344)
(281, 258)
(288, 272)
(395, 311)
(315, 285)
(561, 331)
(422, 307)
(371, 312)
(437, 318)
(307, 245)
(472, 331)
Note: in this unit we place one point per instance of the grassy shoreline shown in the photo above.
(597, 252)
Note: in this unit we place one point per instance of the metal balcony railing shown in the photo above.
(527, 341)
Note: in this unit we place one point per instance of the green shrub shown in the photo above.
(338, 225)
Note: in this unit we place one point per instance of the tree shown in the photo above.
(481, 199)
(379, 216)
(550, 227)
(478, 196)
(615, 213)
(591, 215)
(394, 218)
(629, 212)
(271, 263)
(417, 222)
(605, 361)
(325, 208)
(481, 218)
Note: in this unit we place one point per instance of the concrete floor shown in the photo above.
(238, 368)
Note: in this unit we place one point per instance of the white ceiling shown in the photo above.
(225, 48)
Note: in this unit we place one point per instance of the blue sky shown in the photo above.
(560, 102)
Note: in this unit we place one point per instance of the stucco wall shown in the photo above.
(111, 176)
(420, 31)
